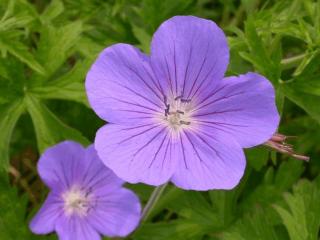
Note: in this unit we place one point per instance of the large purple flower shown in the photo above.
(86, 199)
(172, 115)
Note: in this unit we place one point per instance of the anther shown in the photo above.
(182, 99)
(278, 143)
(181, 112)
(184, 122)
(185, 100)
(167, 110)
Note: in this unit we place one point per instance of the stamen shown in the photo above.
(182, 99)
(176, 112)
(167, 110)
(185, 100)
(277, 142)
(77, 201)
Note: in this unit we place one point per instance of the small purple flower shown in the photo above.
(86, 199)
(172, 115)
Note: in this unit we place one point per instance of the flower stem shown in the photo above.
(292, 61)
(155, 196)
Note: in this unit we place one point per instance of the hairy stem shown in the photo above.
(155, 196)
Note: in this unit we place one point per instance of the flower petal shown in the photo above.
(141, 153)
(96, 175)
(121, 86)
(243, 106)
(116, 214)
(189, 55)
(71, 228)
(59, 165)
(44, 221)
(208, 161)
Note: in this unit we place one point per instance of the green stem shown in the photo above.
(292, 61)
(155, 195)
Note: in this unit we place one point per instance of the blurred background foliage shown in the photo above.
(46, 48)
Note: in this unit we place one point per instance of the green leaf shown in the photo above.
(13, 224)
(9, 115)
(270, 188)
(20, 51)
(174, 230)
(252, 226)
(143, 37)
(302, 217)
(56, 44)
(68, 87)
(258, 53)
(306, 101)
(49, 129)
(54, 9)
(257, 157)
(304, 89)
(89, 48)
(224, 204)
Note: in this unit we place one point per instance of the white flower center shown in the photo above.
(77, 201)
(177, 113)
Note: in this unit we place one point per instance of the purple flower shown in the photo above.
(86, 199)
(172, 115)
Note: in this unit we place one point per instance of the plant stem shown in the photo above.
(155, 195)
(292, 61)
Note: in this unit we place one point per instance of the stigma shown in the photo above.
(77, 201)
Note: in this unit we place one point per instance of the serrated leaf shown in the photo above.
(306, 101)
(89, 48)
(54, 9)
(252, 226)
(55, 45)
(68, 87)
(274, 183)
(304, 89)
(224, 205)
(258, 54)
(49, 129)
(9, 115)
(302, 218)
(20, 51)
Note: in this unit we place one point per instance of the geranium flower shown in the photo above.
(172, 115)
(86, 198)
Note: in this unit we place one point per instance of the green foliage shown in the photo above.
(13, 213)
(46, 49)
(302, 218)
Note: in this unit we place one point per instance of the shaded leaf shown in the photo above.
(302, 219)
(9, 115)
(49, 129)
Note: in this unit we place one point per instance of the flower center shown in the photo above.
(176, 113)
(77, 201)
